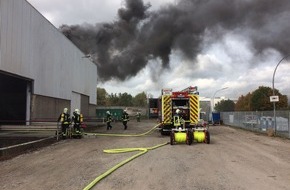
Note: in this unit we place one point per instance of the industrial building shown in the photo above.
(41, 71)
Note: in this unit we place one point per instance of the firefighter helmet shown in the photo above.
(108, 112)
(177, 111)
(65, 110)
(77, 111)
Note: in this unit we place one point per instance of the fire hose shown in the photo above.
(122, 135)
(122, 150)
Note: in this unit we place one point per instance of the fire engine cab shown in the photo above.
(187, 101)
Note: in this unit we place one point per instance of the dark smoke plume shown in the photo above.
(122, 48)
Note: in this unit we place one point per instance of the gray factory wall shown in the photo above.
(85, 105)
(32, 48)
(46, 108)
(92, 110)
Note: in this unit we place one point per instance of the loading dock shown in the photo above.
(14, 99)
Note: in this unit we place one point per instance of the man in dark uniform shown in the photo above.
(138, 116)
(125, 119)
(177, 119)
(65, 120)
(77, 119)
(109, 120)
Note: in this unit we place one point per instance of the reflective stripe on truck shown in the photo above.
(166, 111)
(194, 109)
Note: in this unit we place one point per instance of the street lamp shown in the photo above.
(273, 88)
(212, 106)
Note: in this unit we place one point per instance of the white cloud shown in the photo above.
(227, 62)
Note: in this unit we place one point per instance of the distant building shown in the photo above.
(41, 71)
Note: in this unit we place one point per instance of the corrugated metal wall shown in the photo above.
(30, 46)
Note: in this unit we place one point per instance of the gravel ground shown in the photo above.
(235, 159)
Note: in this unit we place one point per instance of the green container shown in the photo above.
(116, 113)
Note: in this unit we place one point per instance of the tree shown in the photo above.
(113, 100)
(101, 97)
(259, 100)
(125, 99)
(225, 106)
(243, 103)
(140, 100)
(121, 99)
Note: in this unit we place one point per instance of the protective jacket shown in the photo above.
(125, 116)
(77, 118)
(109, 118)
(177, 120)
(64, 118)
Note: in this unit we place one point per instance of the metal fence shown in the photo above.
(259, 121)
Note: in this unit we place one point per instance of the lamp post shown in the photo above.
(212, 106)
(273, 88)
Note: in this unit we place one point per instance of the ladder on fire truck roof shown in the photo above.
(191, 90)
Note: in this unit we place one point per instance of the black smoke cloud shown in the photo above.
(125, 46)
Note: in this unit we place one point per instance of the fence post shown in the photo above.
(252, 121)
(288, 125)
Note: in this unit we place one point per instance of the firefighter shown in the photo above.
(125, 119)
(177, 119)
(138, 116)
(109, 120)
(65, 120)
(77, 119)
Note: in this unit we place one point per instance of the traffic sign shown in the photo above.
(274, 98)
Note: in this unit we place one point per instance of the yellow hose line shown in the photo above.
(121, 150)
(123, 135)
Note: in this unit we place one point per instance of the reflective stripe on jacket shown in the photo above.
(109, 118)
(65, 118)
(176, 121)
(125, 117)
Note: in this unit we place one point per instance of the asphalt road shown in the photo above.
(235, 159)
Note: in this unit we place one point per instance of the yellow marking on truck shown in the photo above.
(194, 109)
(166, 108)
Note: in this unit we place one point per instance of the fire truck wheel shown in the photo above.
(207, 137)
(172, 136)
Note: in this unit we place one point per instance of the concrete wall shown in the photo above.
(48, 109)
(85, 105)
(92, 110)
(31, 47)
(45, 108)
